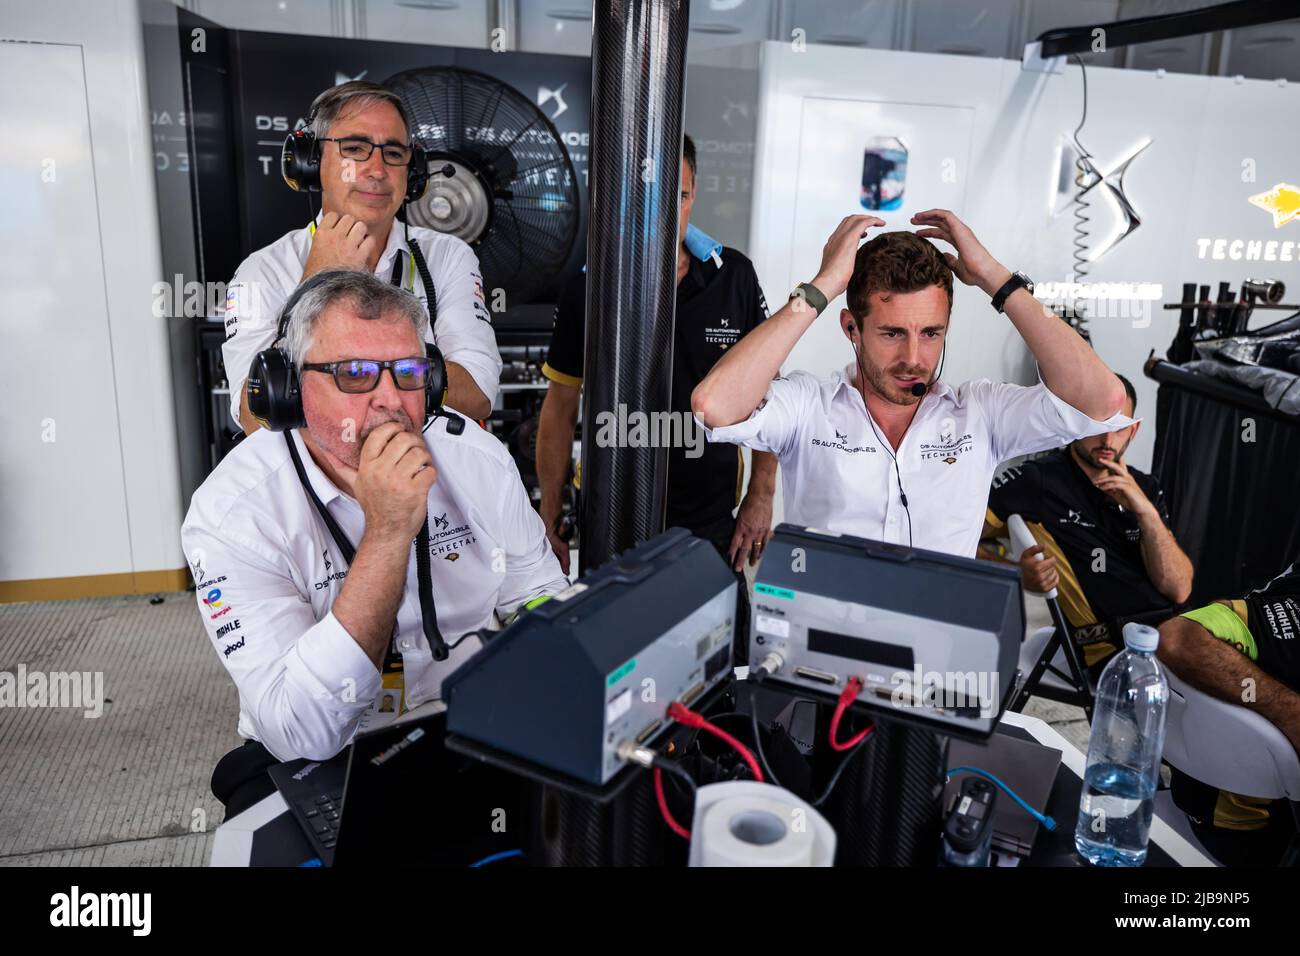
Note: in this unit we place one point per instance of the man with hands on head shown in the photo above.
(362, 144)
(313, 644)
(885, 449)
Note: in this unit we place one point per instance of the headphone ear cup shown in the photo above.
(436, 384)
(274, 395)
(300, 161)
(417, 173)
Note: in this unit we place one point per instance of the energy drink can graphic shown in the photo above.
(884, 173)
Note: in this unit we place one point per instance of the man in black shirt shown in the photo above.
(718, 302)
(1104, 528)
(1245, 651)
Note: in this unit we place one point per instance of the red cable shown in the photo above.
(847, 696)
(690, 718)
(673, 825)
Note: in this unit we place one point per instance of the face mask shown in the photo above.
(702, 246)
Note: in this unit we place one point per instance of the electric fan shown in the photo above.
(499, 177)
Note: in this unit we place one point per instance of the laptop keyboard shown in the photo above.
(320, 817)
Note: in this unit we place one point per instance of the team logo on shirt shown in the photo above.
(330, 575)
(1075, 518)
(950, 447)
(841, 443)
(721, 334)
(450, 537)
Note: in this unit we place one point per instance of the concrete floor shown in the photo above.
(130, 788)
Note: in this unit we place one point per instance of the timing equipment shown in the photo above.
(933, 638)
(574, 683)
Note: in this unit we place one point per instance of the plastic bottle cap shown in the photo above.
(1140, 637)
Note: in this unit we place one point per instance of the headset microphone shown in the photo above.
(919, 389)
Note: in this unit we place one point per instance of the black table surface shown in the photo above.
(282, 843)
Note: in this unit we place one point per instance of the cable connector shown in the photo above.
(768, 666)
(850, 693)
(631, 752)
(689, 718)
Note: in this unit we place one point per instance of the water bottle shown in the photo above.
(1128, 737)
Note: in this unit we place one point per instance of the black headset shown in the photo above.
(300, 163)
(275, 392)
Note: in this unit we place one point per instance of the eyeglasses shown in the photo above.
(355, 376)
(359, 150)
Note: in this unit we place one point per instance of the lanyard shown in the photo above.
(428, 610)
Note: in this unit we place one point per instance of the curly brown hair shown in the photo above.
(896, 262)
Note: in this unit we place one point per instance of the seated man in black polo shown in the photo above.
(1247, 652)
(718, 302)
(1104, 528)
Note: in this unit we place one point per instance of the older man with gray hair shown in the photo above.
(314, 641)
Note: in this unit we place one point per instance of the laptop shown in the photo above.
(397, 796)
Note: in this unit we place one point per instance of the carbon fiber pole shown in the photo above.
(638, 71)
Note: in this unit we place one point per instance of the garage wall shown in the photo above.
(90, 498)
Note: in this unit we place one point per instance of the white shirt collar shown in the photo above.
(325, 489)
(844, 381)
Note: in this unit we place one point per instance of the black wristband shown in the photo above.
(1018, 280)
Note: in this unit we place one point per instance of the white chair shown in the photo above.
(1231, 747)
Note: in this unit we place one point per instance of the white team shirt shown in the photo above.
(838, 474)
(462, 329)
(267, 573)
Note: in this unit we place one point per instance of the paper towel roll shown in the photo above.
(756, 831)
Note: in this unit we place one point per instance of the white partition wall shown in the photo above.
(90, 501)
(983, 138)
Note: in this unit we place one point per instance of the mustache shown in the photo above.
(919, 371)
(375, 419)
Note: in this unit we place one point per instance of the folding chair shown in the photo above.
(1049, 660)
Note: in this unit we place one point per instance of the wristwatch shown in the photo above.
(1018, 280)
(810, 294)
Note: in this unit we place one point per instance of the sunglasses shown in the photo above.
(362, 375)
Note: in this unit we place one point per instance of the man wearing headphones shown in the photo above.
(885, 450)
(358, 152)
(300, 540)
